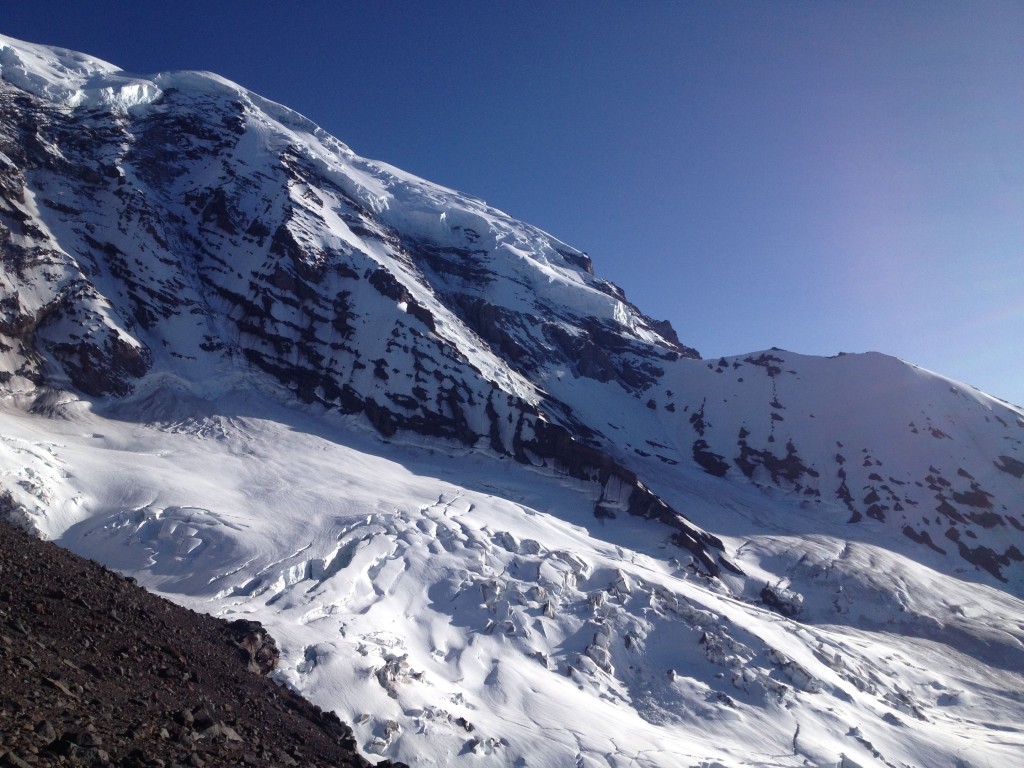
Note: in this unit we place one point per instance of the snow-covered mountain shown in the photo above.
(492, 512)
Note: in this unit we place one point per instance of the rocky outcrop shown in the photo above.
(96, 672)
(621, 490)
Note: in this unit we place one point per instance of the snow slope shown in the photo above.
(492, 513)
(458, 611)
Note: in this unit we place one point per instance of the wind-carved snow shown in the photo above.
(493, 513)
(57, 74)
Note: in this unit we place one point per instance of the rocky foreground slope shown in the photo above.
(96, 671)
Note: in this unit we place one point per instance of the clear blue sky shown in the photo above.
(818, 176)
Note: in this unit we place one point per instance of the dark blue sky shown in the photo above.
(819, 176)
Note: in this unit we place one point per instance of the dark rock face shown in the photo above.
(73, 325)
(1011, 466)
(258, 648)
(621, 487)
(96, 671)
(873, 446)
(161, 244)
(789, 468)
(546, 334)
(712, 463)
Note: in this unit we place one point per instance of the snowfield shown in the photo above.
(460, 609)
